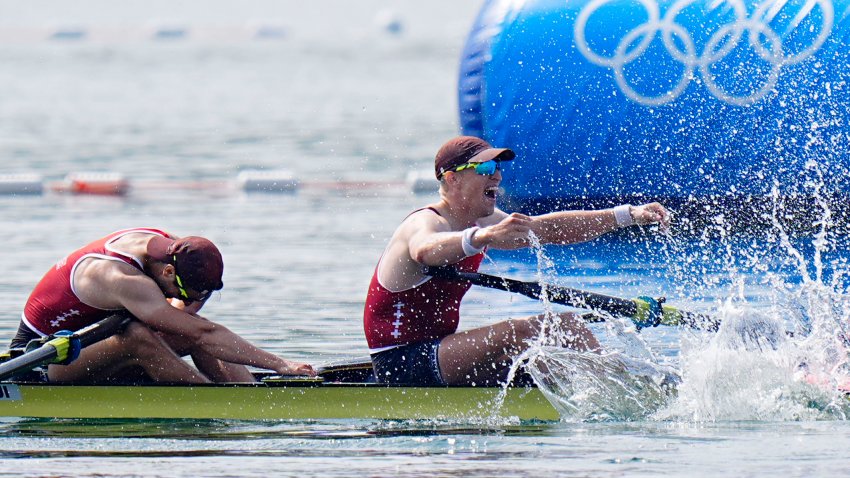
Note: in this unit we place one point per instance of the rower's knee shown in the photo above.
(137, 338)
(577, 335)
(565, 329)
(571, 322)
(526, 328)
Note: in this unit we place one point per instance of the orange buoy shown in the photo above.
(114, 184)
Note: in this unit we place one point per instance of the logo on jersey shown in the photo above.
(57, 322)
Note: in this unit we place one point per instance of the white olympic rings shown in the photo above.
(763, 39)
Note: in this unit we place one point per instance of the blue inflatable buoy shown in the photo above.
(612, 100)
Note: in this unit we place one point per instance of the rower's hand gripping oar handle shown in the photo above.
(644, 311)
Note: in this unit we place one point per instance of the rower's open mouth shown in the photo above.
(493, 192)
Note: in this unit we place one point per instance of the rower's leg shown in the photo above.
(219, 370)
(117, 356)
(572, 332)
(482, 356)
(213, 368)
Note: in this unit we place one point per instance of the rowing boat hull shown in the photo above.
(271, 401)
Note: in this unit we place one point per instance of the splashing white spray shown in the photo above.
(589, 385)
(752, 369)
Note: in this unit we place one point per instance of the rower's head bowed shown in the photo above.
(197, 262)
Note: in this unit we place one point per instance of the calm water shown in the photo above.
(350, 109)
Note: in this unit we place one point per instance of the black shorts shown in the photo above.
(412, 364)
(23, 337)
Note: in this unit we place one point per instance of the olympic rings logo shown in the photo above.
(764, 41)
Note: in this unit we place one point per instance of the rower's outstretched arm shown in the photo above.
(140, 295)
(569, 227)
(218, 341)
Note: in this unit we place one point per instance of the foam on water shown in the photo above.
(608, 386)
(749, 370)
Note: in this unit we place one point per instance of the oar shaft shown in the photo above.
(100, 330)
(58, 346)
(674, 316)
(556, 294)
(637, 309)
(44, 354)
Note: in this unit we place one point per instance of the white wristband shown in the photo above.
(623, 215)
(466, 242)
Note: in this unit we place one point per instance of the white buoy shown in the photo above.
(21, 184)
(422, 182)
(69, 33)
(276, 181)
(268, 32)
(170, 33)
(94, 182)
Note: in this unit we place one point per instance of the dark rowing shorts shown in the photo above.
(23, 337)
(413, 364)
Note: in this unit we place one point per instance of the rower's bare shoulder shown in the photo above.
(102, 282)
(103, 272)
(425, 221)
(136, 242)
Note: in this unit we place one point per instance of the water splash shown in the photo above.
(749, 370)
(752, 369)
(613, 385)
(601, 387)
(781, 353)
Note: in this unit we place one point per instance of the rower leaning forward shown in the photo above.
(411, 319)
(159, 280)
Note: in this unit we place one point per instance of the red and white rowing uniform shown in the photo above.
(426, 311)
(54, 305)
